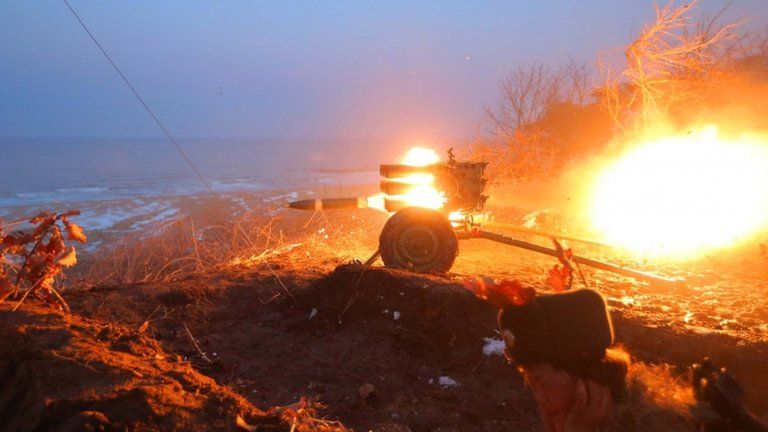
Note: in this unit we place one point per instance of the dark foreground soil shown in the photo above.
(383, 350)
(371, 370)
(62, 372)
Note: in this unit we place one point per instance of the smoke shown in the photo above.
(736, 104)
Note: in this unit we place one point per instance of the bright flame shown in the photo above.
(424, 196)
(423, 192)
(420, 156)
(683, 195)
(376, 201)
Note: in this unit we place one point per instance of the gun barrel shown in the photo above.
(391, 187)
(400, 170)
(329, 203)
(392, 205)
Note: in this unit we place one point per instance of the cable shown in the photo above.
(141, 100)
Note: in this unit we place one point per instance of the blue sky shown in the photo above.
(413, 70)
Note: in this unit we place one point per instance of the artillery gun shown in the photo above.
(423, 239)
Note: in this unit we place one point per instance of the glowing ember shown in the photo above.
(683, 195)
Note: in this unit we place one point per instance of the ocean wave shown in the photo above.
(83, 190)
(108, 215)
(28, 195)
(68, 192)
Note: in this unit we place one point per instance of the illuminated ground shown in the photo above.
(257, 327)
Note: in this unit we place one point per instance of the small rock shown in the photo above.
(86, 421)
(446, 381)
(393, 427)
(366, 390)
(493, 346)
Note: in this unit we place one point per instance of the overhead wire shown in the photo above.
(140, 99)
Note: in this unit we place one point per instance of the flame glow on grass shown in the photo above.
(683, 195)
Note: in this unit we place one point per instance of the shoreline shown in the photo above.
(107, 220)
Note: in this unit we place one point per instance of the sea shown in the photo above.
(115, 180)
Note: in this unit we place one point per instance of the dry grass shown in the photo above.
(520, 143)
(193, 245)
(657, 400)
(675, 61)
(302, 416)
(680, 66)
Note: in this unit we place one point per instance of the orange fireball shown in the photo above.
(683, 195)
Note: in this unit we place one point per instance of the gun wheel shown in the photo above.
(419, 239)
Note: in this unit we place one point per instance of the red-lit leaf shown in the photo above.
(42, 261)
(19, 238)
(55, 245)
(42, 217)
(500, 294)
(6, 288)
(144, 326)
(515, 292)
(37, 267)
(560, 278)
(75, 232)
(69, 213)
(67, 258)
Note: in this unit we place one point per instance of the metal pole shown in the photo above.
(550, 234)
(624, 271)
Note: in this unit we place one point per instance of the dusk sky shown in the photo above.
(290, 69)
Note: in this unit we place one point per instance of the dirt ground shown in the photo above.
(374, 372)
(381, 349)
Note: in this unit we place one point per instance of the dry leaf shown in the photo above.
(144, 326)
(19, 238)
(6, 288)
(560, 278)
(75, 232)
(55, 244)
(239, 422)
(68, 258)
(42, 217)
(500, 294)
(43, 261)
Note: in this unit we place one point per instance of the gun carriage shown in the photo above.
(427, 240)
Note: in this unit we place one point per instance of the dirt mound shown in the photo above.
(416, 341)
(384, 350)
(61, 372)
(442, 322)
(425, 315)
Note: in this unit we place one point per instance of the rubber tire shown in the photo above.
(415, 222)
